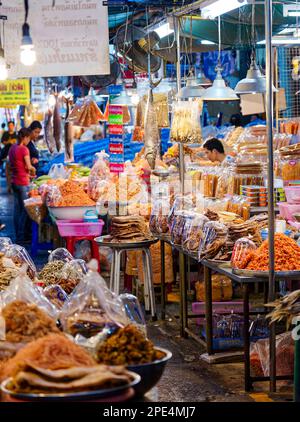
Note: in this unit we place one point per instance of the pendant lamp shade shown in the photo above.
(254, 83)
(122, 99)
(202, 80)
(191, 90)
(219, 91)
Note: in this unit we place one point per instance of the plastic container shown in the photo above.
(90, 216)
(292, 194)
(79, 228)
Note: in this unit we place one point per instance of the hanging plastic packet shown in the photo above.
(91, 309)
(20, 256)
(60, 254)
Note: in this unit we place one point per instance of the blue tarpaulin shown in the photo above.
(84, 152)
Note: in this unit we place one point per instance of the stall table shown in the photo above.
(245, 283)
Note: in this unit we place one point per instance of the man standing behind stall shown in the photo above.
(35, 131)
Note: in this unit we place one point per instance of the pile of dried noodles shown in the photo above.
(54, 351)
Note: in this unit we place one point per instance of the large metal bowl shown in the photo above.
(70, 213)
(150, 373)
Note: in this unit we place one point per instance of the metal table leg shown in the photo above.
(117, 271)
(183, 295)
(163, 280)
(112, 271)
(208, 310)
(248, 383)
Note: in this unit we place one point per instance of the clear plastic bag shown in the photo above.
(133, 311)
(56, 295)
(99, 175)
(242, 252)
(284, 354)
(52, 196)
(92, 308)
(214, 238)
(36, 209)
(83, 250)
(186, 123)
(58, 171)
(60, 254)
(158, 222)
(20, 256)
(5, 243)
(193, 232)
(22, 288)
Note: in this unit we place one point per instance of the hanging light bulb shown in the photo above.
(3, 66)
(51, 100)
(28, 54)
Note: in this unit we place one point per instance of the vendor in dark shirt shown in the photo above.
(9, 138)
(35, 130)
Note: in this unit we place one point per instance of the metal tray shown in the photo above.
(103, 241)
(83, 395)
(219, 261)
(278, 274)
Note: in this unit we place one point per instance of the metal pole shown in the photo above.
(271, 219)
(178, 72)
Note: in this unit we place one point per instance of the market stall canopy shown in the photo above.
(236, 25)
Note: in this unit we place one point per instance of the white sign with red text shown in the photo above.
(70, 39)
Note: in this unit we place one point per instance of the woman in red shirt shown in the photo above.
(21, 169)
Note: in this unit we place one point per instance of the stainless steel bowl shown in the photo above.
(150, 373)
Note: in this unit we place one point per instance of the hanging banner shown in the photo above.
(38, 94)
(70, 38)
(13, 93)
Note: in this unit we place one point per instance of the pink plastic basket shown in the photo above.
(78, 228)
(287, 211)
(292, 194)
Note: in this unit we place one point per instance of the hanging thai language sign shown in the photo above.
(70, 38)
(13, 93)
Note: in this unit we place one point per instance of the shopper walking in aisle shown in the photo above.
(8, 139)
(22, 169)
(35, 131)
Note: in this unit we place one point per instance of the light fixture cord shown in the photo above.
(253, 36)
(219, 34)
(26, 5)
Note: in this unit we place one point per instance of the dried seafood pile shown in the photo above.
(26, 322)
(128, 346)
(285, 308)
(57, 272)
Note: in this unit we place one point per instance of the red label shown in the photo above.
(116, 148)
(116, 129)
(116, 168)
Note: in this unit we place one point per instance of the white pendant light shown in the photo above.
(28, 54)
(202, 79)
(123, 99)
(191, 90)
(219, 91)
(255, 82)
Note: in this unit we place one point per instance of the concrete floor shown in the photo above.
(187, 377)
